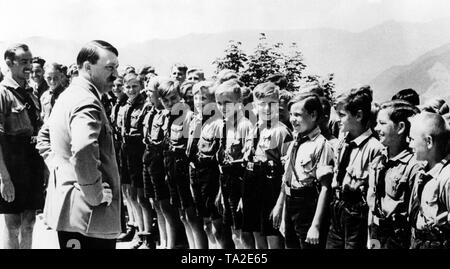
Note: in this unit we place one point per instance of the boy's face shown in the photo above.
(201, 100)
(117, 88)
(177, 74)
(53, 78)
(302, 121)
(170, 100)
(227, 104)
(189, 98)
(132, 87)
(386, 128)
(194, 77)
(37, 73)
(347, 121)
(418, 143)
(267, 108)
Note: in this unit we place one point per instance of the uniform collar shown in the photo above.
(436, 170)
(8, 81)
(361, 138)
(402, 157)
(313, 134)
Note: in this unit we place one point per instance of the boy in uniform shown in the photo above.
(52, 76)
(430, 200)
(156, 188)
(265, 147)
(132, 150)
(355, 152)
(391, 178)
(178, 116)
(201, 183)
(305, 189)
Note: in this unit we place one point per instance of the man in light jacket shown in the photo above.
(83, 195)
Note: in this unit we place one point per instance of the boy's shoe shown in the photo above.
(138, 241)
(148, 242)
(128, 235)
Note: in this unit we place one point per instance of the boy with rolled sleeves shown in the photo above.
(430, 200)
(306, 185)
(178, 116)
(267, 144)
(355, 152)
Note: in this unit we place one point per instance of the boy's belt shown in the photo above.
(304, 191)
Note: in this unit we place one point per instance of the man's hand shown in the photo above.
(107, 194)
(313, 236)
(7, 190)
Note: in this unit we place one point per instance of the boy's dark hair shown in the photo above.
(55, 66)
(285, 96)
(89, 52)
(266, 89)
(358, 99)
(39, 61)
(326, 106)
(225, 75)
(247, 95)
(408, 95)
(436, 105)
(185, 87)
(10, 53)
(400, 111)
(278, 79)
(312, 103)
(180, 66)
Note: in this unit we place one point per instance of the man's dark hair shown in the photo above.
(408, 95)
(38, 60)
(10, 53)
(89, 52)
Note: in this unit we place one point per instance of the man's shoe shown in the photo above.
(127, 236)
(138, 241)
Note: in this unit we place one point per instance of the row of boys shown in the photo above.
(221, 175)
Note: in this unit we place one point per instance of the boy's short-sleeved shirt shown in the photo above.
(435, 195)
(46, 101)
(367, 149)
(138, 107)
(236, 132)
(179, 130)
(397, 175)
(314, 160)
(156, 133)
(275, 139)
(14, 119)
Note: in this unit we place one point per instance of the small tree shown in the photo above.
(293, 66)
(234, 58)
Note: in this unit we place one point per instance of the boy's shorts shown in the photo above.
(155, 185)
(205, 187)
(133, 151)
(231, 182)
(177, 171)
(260, 195)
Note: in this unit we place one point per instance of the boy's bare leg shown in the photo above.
(26, 229)
(196, 224)
(11, 231)
(260, 241)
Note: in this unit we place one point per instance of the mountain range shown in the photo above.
(389, 56)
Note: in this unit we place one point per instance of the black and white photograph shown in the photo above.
(225, 125)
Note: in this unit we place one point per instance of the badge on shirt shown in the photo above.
(249, 166)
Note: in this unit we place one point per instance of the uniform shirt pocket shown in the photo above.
(18, 122)
(176, 132)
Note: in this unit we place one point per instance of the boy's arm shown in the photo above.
(324, 175)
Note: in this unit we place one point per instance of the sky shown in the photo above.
(130, 21)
